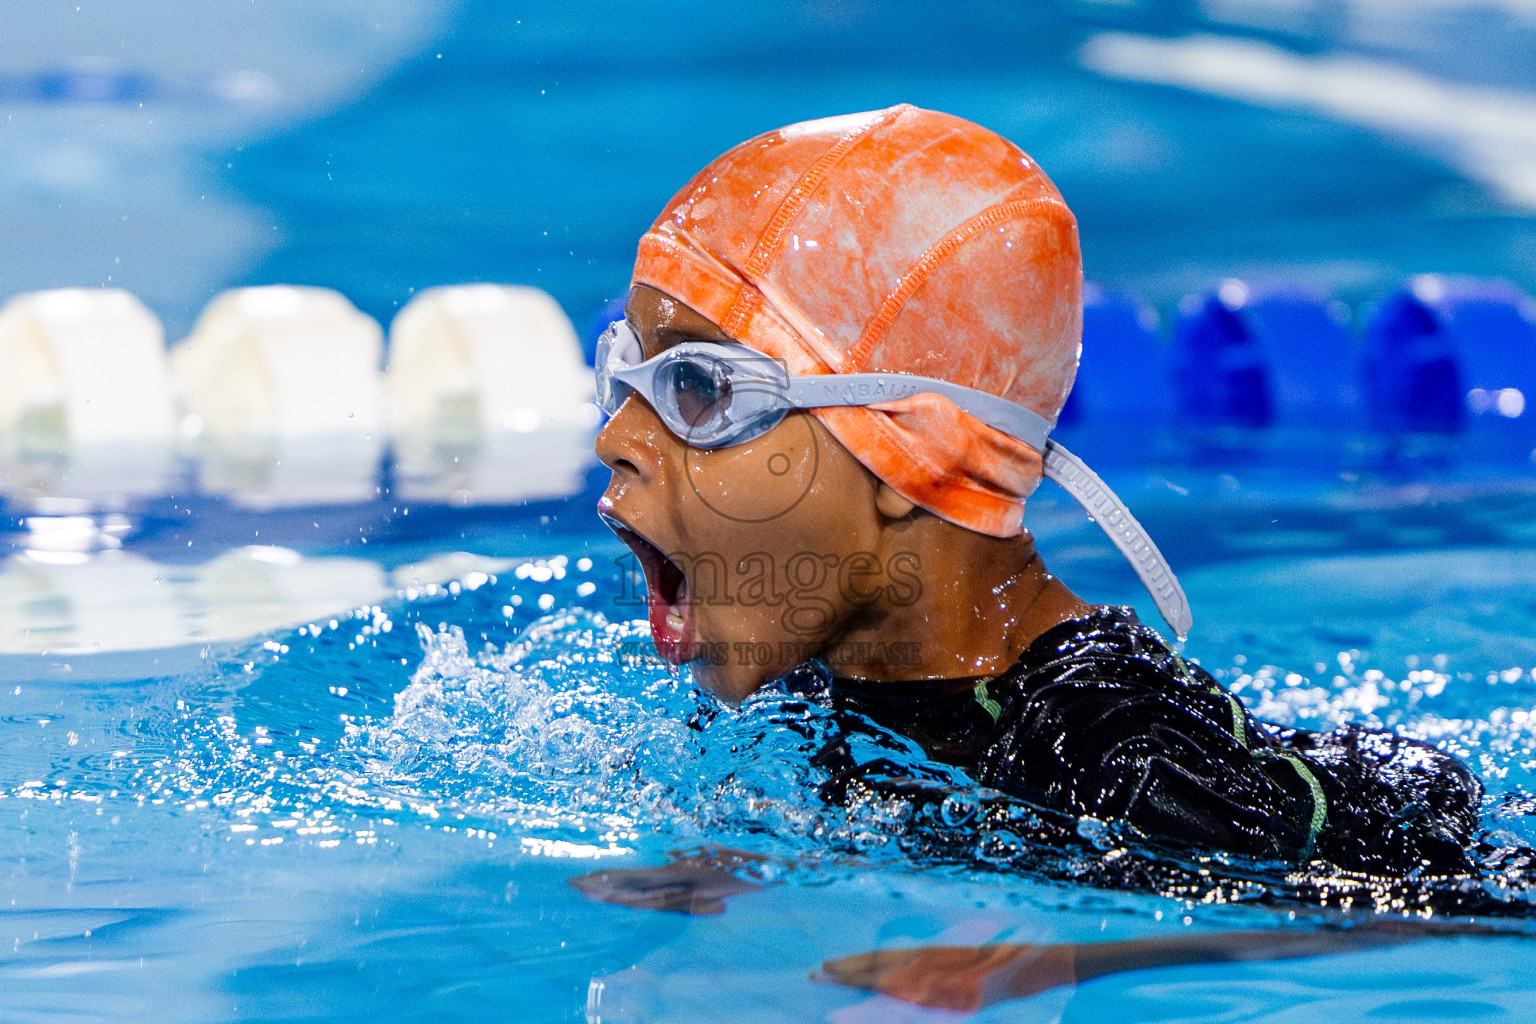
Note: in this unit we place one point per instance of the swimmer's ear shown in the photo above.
(891, 504)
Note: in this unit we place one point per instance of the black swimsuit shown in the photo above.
(1100, 718)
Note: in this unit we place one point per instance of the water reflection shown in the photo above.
(72, 591)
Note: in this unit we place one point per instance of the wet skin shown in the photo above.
(786, 547)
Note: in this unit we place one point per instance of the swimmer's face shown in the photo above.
(756, 555)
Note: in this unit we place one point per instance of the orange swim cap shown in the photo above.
(898, 240)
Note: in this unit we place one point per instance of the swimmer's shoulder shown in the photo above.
(1106, 672)
(1110, 641)
(1101, 661)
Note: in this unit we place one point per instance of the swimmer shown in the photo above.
(844, 348)
(843, 351)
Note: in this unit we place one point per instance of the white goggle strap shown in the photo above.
(1124, 532)
(821, 390)
(1074, 476)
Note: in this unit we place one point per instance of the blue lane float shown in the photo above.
(1444, 354)
(1219, 367)
(1123, 373)
(1260, 357)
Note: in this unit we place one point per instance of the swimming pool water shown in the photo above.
(374, 816)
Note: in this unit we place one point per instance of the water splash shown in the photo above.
(578, 720)
(575, 740)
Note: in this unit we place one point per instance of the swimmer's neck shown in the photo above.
(981, 601)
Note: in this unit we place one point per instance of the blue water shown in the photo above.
(535, 142)
(375, 817)
(374, 814)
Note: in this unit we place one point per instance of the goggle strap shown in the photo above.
(1124, 532)
(821, 390)
(633, 377)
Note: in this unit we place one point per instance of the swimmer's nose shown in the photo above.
(632, 442)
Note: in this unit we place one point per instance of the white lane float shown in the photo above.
(490, 399)
(282, 398)
(86, 404)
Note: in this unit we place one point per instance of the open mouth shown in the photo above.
(666, 593)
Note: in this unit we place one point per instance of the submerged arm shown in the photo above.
(967, 978)
(692, 882)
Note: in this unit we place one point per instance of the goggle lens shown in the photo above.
(709, 394)
(700, 389)
(617, 349)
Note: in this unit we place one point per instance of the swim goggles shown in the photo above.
(715, 394)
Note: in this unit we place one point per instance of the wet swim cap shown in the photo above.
(899, 240)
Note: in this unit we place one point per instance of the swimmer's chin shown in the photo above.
(730, 683)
